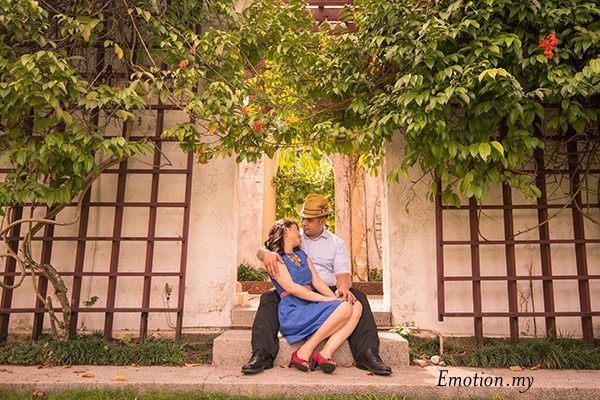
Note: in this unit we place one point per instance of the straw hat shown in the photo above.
(314, 206)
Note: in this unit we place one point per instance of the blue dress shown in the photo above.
(299, 318)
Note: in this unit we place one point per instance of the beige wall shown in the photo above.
(250, 211)
(226, 227)
(256, 207)
(410, 262)
(212, 250)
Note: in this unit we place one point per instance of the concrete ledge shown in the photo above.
(414, 382)
(233, 348)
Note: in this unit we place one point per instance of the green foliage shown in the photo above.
(298, 176)
(471, 88)
(200, 350)
(47, 105)
(92, 350)
(91, 301)
(67, 80)
(375, 275)
(467, 84)
(246, 272)
(562, 353)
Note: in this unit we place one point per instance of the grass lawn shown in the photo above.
(562, 353)
(96, 350)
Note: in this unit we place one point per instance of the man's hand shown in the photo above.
(271, 261)
(346, 295)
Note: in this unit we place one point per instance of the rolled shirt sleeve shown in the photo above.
(341, 259)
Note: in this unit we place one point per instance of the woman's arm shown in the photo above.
(288, 284)
(318, 283)
(270, 260)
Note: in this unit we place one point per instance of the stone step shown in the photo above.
(233, 348)
(244, 317)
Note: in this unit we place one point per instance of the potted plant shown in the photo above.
(254, 280)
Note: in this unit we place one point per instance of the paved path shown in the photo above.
(407, 381)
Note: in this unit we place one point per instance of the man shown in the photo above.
(332, 262)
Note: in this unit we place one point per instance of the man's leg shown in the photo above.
(266, 324)
(265, 343)
(364, 341)
(365, 335)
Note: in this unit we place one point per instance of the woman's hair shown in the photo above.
(275, 240)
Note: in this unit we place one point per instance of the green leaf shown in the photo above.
(595, 66)
(474, 150)
(452, 149)
(498, 146)
(42, 123)
(484, 150)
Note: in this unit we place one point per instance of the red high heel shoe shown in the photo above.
(327, 365)
(299, 363)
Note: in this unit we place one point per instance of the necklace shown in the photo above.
(294, 258)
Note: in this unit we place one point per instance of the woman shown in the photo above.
(304, 313)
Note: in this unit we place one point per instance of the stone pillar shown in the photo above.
(351, 211)
(373, 189)
(269, 198)
(358, 215)
(250, 190)
(342, 196)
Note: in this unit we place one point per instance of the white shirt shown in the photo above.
(329, 255)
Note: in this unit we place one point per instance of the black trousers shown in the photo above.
(266, 326)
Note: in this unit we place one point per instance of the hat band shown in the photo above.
(314, 211)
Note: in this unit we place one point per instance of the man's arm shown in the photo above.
(342, 271)
(343, 281)
(318, 283)
(270, 260)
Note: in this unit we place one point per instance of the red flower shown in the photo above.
(182, 63)
(202, 159)
(244, 110)
(549, 42)
(257, 127)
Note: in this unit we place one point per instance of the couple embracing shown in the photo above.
(313, 298)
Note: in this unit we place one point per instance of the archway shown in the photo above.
(272, 188)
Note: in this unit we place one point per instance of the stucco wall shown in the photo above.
(250, 211)
(211, 259)
(225, 222)
(410, 257)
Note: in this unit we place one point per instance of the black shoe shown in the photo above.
(371, 361)
(259, 361)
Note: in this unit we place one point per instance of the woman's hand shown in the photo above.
(346, 295)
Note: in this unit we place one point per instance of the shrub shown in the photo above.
(247, 273)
